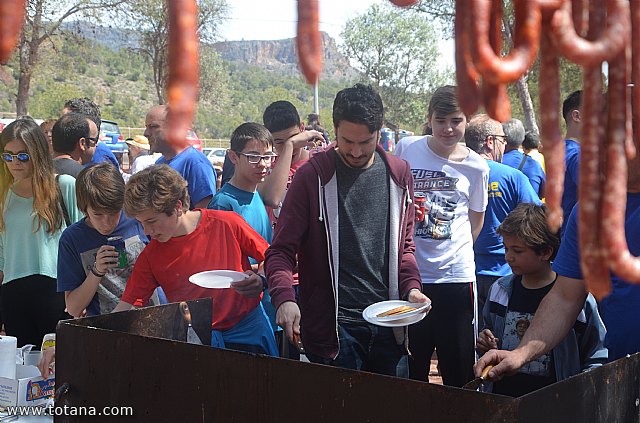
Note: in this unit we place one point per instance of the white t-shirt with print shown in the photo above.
(444, 244)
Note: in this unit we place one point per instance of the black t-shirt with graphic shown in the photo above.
(539, 373)
(363, 213)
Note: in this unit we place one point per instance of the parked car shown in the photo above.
(111, 135)
(215, 155)
(194, 140)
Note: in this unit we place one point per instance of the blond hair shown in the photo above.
(46, 195)
(157, 188)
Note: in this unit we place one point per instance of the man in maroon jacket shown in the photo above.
(348, 218)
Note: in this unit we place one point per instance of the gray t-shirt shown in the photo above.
(363, 276)
(66, 166)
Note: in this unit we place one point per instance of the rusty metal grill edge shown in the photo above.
(140, 359)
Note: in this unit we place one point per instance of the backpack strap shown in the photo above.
(65, 212)
(524, 159)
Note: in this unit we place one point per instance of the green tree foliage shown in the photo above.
(398, 51)
(150, 18)
(122, 83)
(42, 21)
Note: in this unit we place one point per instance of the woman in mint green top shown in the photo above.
(31, 222)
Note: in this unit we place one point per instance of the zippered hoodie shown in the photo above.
(308, 229)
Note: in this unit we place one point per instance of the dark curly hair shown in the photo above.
(360, 104)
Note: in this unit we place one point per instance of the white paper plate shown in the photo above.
(217, 278)
(370, 313)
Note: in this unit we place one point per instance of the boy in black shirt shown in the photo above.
(513, 300)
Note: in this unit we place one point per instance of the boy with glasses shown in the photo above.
(252, 154)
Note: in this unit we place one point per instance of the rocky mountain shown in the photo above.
(280, 56)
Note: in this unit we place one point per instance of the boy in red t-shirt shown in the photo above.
(185, 242)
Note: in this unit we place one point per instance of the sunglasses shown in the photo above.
(23, 157)
(255, 158)
(94, 139)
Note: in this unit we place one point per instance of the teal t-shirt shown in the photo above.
(247, 204)
(250, 206)
(24, 253)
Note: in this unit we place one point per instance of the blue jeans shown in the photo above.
(368, 348)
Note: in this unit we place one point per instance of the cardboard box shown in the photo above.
(27, 389)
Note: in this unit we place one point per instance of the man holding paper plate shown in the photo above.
(348, 218)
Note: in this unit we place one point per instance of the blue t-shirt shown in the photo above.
(620, 310)
(531, 168)
(77, 250)
(508, 187)
(197, 170)
(570, 193)
(247, 204)
(250, 206)
(103, 153)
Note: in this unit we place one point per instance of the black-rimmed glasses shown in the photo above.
(23, 157)
(255, 158)
(503, 138)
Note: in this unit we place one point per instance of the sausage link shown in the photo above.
(496, 99)
(404, 3)
(580, 15)
(510, 68)
(635, 69)
(182, 87)
(605, 47)
(551, 136)
(308, 40)
(595, 270)
(11, 23)
(621, 261)
(467, 77)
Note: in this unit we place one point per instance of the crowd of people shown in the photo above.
(322, 230)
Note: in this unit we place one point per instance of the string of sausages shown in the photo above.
(586, 32)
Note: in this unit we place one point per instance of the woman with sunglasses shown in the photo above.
(35, 207)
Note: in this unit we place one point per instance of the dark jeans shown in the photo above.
(368, 348)
(31, 308)
(448, 329)
(483, 283)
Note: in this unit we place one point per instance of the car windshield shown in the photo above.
(206, 151)
(109, 127)
(219, 153)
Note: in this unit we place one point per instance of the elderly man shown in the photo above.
(139, 156)
(508, 187)
(514, 131)
(186, 160)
